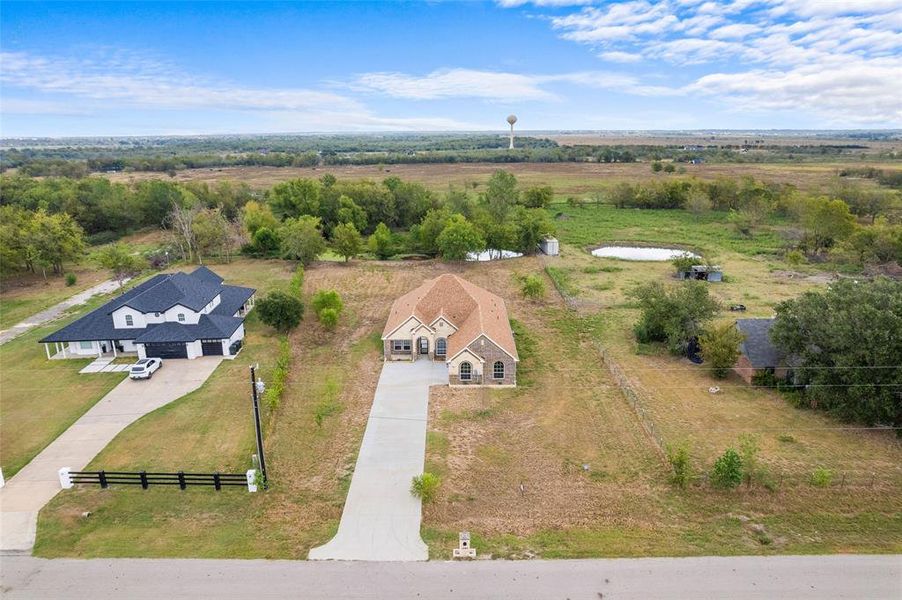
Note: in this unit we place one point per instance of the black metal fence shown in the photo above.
(146, 479)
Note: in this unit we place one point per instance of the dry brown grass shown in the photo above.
(565, 178)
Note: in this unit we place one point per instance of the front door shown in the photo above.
(424, 345)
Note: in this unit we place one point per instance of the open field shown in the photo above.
(565, 178)
(676, 138)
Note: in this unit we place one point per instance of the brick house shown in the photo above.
(758, 352)
(449, 319)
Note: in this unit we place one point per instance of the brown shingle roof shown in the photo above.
(473, 310)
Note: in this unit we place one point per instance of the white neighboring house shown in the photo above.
(173, 315)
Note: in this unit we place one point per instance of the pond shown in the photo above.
(640, 253)
(491, 254)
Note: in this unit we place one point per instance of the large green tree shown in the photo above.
(501, 194)
(121, 260)
(281, 311)
(302, 239)
(381, 242)
(826, 222)
(848, 339)
(459, 238)
(673, 314)
(291, 199)
(347, 241)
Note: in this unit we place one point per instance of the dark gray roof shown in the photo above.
(212, 327)
(757, 346)
(231, 298)
(194, 291)
(191, 291)
(206, 274)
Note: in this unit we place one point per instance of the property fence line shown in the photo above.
(145, 479)
(623, 383)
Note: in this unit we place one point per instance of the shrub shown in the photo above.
(425, 486)
(673, 315)
(297, 281)
(273, 394)
(71, 279)
(381, 242)
(684, 262)
(678, 457)
(720, 348)
(669, 168)
(533, 287)
(727, 472)
(821, 477)
(656, 166)
(323, 299)
(795, 258)
(751, 469)
(281, 311)
(328, 317)
(265, 242)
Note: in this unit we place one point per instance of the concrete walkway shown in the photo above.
(381, 519)
(57, 310)
(33, 487)
(105, 365)
(734, 578)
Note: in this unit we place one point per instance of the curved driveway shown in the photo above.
(381, 519)
(30, 489)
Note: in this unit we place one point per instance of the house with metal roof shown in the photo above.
(451, 320)
(172, 315)
(758, 353)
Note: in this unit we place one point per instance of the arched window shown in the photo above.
(498, 370)
(441, 346)
(466, 371)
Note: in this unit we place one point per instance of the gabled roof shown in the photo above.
(157, 294)
(208, 327)
(473, 310)
(757, 346)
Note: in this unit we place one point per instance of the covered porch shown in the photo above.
(90, 348)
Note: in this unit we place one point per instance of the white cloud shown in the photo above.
(734, 31)
(853, 93)
(620, 57)
(125, 80)
(456, 83)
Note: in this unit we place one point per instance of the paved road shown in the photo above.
(381, 520)
(737, 578)
(33, 487)
(45, 316)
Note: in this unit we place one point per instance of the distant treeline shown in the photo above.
(168, 155)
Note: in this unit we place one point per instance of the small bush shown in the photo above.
(611, 269)
(273, 394)
(727, 472)
(592, 270)
(669, 168)
(71, 279)
(328, 404)
(656, 166)
(795, 257)
(329, 318)
(326, 299)
(533, 287)
(786, 438)
(102, 237)
(297, 281)
(678, 457)
(425, 486)
(821, 477)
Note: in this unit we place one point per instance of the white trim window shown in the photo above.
(129, 321)
(441, 347)
(498, 370)
(465, 371)
(86, 345)
(181, 317)
(400, 345)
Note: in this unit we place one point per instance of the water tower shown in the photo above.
(512, 119)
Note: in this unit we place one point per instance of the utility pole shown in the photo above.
(260, 456)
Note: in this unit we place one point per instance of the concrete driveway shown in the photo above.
(33, 487)
(381, 519)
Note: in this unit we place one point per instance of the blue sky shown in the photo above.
(71, 69)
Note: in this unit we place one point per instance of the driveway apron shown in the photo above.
(33, 487)
(381, 519)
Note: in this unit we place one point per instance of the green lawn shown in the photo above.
(40, 398)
